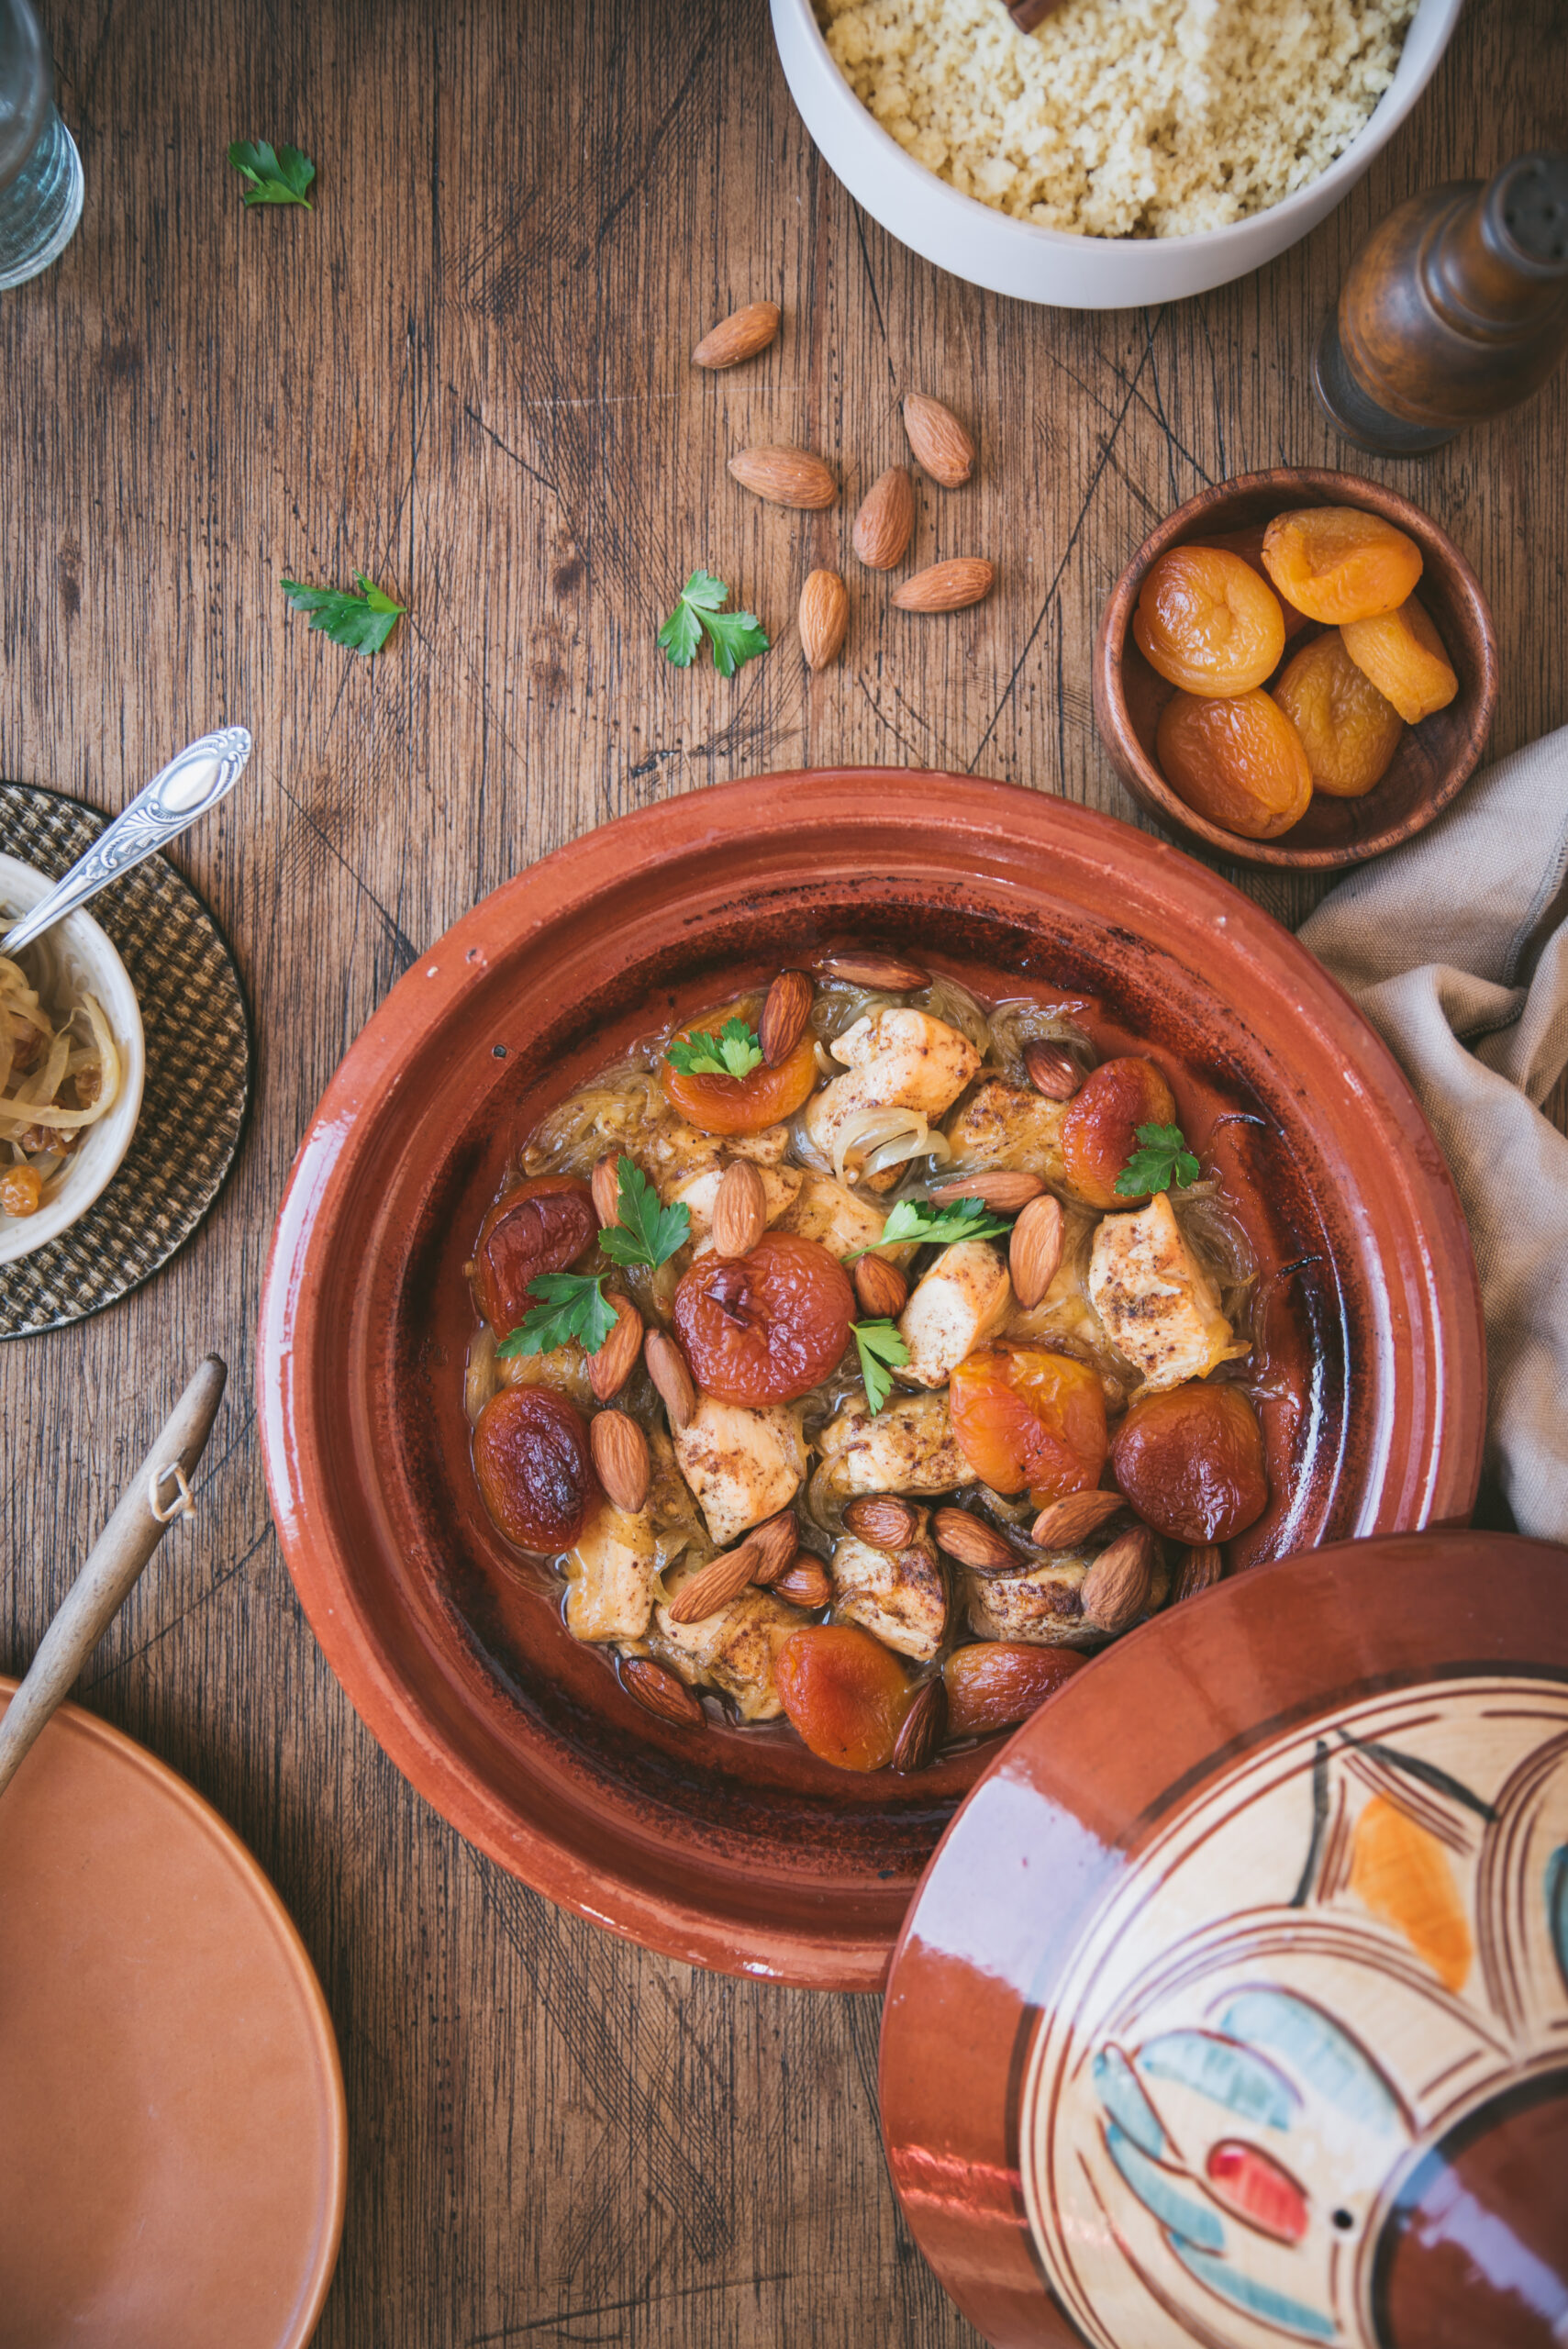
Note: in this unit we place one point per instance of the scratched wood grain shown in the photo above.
(466, 372)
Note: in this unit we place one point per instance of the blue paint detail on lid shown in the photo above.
(1161, 2194)
(1326, 2057)
(1228, 2075)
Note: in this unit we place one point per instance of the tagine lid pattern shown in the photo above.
(1233, 2009)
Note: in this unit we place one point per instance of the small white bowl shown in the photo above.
(990, 248)
(91, 963)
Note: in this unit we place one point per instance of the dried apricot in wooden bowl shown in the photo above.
(1433, 760)
(1240, 763)
(1340, 562)
(1348, 730)
(1208, 622)
(1402, 656)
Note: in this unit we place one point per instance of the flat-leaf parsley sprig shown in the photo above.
(1162, 1159)
(643, 1232)
(358, 623)
(272, 174)
(881, 1350)
(736, 1051)
(573, 1305)
(736, 637)
(941, 1227)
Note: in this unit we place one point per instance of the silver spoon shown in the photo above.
(196, 779)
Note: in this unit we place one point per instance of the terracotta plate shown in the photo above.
(1233, 2009)
(171, 2156)
(736, 1848)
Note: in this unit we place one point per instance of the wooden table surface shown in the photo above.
(466, 372)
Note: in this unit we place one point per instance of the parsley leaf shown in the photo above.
(920, 1220)
(1164, 1159)
(358, 623)
(643, 1232)
(734, 1052)
(272, 174)
(736, 637)
(573, 1307)
(878, 1343)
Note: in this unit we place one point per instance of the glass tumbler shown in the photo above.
(41, 172)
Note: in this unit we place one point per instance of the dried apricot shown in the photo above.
(541, 1227)
(535, 1468)
(1249, 545)
(739, 1105)
(1402, 654)
(1208, 622)
(765, 1327)
(1240, 763)
(1023, 1417)
(1348, 730)
(1191, 1462)
(1099, 1133)
(844, 1692)
(998, 1682)
(1338, 563)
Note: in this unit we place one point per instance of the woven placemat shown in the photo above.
(197, 1093)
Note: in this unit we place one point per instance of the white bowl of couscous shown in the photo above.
(1127, 151)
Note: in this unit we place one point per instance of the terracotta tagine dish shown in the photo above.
(710, 1830)
(1233, 2009)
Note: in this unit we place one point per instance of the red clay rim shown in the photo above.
(1139, 772)
(958, 814)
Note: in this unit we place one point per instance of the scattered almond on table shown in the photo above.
(742, 335)
(824, 618)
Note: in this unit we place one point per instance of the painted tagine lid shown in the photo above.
(1233, 2008)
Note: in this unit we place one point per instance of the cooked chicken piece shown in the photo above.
(610, 1591)
(896, 1059)
(564, 1370)
(735, 1649)
(1007, 1125)
(1064, 1321)
(825, 1211)
(675, 1150)
(903, 1599)
(698, 1193)
(743, 1466)
(1043, 1607)
(907, 1447)
(960, 1301)
(1158, 1303)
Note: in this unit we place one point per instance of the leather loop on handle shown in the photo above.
(113, 1564)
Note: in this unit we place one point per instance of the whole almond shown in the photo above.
(824, 618)
(1115, 1589)
(869, 969)
(620, 1458)
(1034, 1252)
(605, 1185)
(785, 476)
(740, 336)
(943, 448)
(784, 1015)
(883, 1519)
(661, 1692)
(881, 1288)
(885, 523)
(974, 1543)
(740, 1209)
(1071, 1519)
(609, 1369)
(667, 1369)
(947, 586)
(805, 1583)
(1052, 1069)
(714, 1585)
(1199, 1569)
(925, 1726)
(775, 1544)
(1002, 1190)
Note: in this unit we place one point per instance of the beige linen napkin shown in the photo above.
(1455, 948)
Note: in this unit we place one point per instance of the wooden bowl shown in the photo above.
(1434, 760)
(730, 1847)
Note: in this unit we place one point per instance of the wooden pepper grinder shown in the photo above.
(1455, 308)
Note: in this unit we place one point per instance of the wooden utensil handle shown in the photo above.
(113, 1562)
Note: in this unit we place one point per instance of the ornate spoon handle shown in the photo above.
(193, 781)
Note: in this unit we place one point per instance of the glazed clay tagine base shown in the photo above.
(735, 1847)
(1248, 2025)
